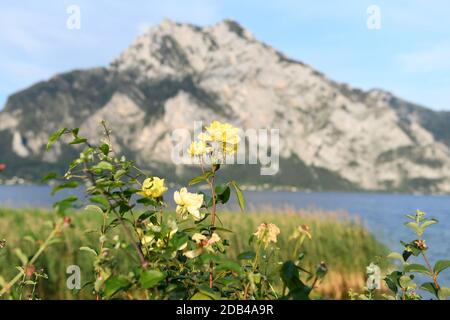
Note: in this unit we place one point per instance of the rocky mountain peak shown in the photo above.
(332, 135)
(176, 49)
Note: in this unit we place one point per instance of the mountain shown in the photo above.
(333, 136)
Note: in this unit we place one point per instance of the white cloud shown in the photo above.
(436, 58)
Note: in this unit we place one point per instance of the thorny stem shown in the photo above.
(433, 275)
(210, 182)
(213, 222)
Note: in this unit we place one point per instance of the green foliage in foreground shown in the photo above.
(333, 238)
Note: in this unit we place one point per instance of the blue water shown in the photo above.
(383, 214)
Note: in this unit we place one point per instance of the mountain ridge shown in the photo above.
(333, 135)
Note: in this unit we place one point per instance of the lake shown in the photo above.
(383, 214)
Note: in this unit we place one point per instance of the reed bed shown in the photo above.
(338, 240)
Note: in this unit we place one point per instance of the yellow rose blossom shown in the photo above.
(198, 148)
(223, 132)
(267, 232)
(153, 187)
(188, 203)
(204, 137)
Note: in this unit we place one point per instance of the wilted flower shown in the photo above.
(420, 244)
(153, 187)
(203, 243)
(66, 222)
(267, 232)
(188, 203)
(302, 230)
(29, 270)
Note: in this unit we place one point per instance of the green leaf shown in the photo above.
(78, 140)
(290, 276)
(406, 254)
(443, 293)
(396, 255)
(90, 250)
(240, 195)
(441, 265)
(417, 268)
(392, 280)
(229, 265)
(201, 178)
(104, 148)
(22, 257)
(119, 174)
(223, 195)
(145, 215)
(93, 208)
(147, 201)
(222, 229)
(428, 223)
(221, 188)
(115, 284)
(54, 137)
(414, 226)
(64, 204)
(247, 255)
(100, 200)
(430, 287)
(205, 295)
(49, 176)
(150, 278)
(288, 271)
(103, 165)
(201, 296)
(67, 185)
(75, 131)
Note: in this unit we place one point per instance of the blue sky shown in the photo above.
(409, 55)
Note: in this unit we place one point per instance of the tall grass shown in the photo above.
(342, 243)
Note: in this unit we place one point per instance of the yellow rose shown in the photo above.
(223, 132)
(188, 203)
(267, 232)
(153, 187)
(204, 137)
(198, 148)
